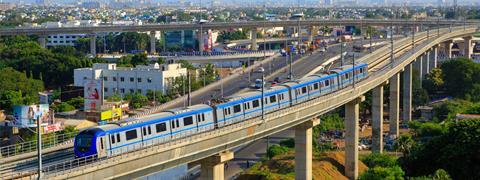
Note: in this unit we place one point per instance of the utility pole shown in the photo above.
(189, 100)
(262, 70)
(413, 36)
(39, 148)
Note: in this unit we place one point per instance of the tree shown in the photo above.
(381, 173)
(276, 150)
(460, 72)
(433, 81)
(137, 100)
(377, 159)
(455, 151)
(63, 107)
(77, 102)
(140, 59)
(404, 144)
(17, 89)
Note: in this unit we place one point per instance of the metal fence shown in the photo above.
(31, 146)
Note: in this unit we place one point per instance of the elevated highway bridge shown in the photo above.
(211, 149)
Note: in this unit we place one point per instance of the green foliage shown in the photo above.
(428, 129)
(433, 81)
(449, 109)
(63, 107)
(186, 64)
(455, 151)
(139, 59)
(159, 97)
(383, 173)
(330, 122)
(17, 89)
(137, 100)
(404, 144)
(275, 150)
(227, 35)
(462, 78)
(77, 102)
(383, 160)
(114, 97)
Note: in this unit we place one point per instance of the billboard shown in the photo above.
(93, 94)
(26, 116)
(115, 113)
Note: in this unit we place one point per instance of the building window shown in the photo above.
(132, 79)
(67, 41)
(139, 90)
(54, 36)
(84, 78)
(114, 78)
(105, 78)
(105, 89)
(61, 36)
(149, 80)
(132, 91)
(55, 41)
(122, 90)
(139, 79)
(115, 89)
(49, 36)
(122, 79)
(74, 36)
(67, 36)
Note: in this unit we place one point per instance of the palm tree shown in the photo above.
(404, 144)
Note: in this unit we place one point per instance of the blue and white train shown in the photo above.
(112, 139)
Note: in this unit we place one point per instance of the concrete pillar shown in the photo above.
(468, 46)
(434, 62)
(212, 168)
(426, 64)
(448, 49)
(377, 119)
(42, 40)
(153, 40)
(303, 149)
(407, 93)
(93, 44)
(394, 104)
(253, 34)
(351, 138)
(201, 45)
(312, 31)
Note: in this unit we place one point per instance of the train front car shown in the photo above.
(85, 143)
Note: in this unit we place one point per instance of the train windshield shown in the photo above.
(83, 141)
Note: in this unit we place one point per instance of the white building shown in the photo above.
(67, 39)
(130, 80)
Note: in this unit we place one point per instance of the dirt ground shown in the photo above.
(328, 166)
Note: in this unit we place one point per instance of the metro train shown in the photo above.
(113, 139)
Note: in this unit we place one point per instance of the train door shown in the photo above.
(101, 147)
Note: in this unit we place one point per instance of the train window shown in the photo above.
(315, 86)
(245, 106)
(178, 123)
(144, 131)
(187, 121)
(327, 82)
(225, 111)
(132, 134)
(118, 137)
(101, 143)
(255, 103)
(161, 127)
(203, 116)
(229, 111)
(112, 137)
(346, 75)
(237, 108)
(361, 70)
(149, 130)
(304, 90)
(273, 99)
(198, 118)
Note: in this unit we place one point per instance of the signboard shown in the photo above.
(111, 114)
(26, 116)
(93, 94)
(52, 128)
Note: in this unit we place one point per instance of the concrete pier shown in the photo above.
(153, 41)
(93, 44)
(253, 35)
(425, 65)
(42, 40)
(468, 46)
(448, 48)
(407, 93)
(303, 149)
(351, 137)
(394, 118)
(377, 119)
(212, 168)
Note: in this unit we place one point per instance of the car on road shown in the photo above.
(258, 84)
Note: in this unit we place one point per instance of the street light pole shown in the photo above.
(189, 100)
(341, 54)
(262, 70)
(39, 148)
